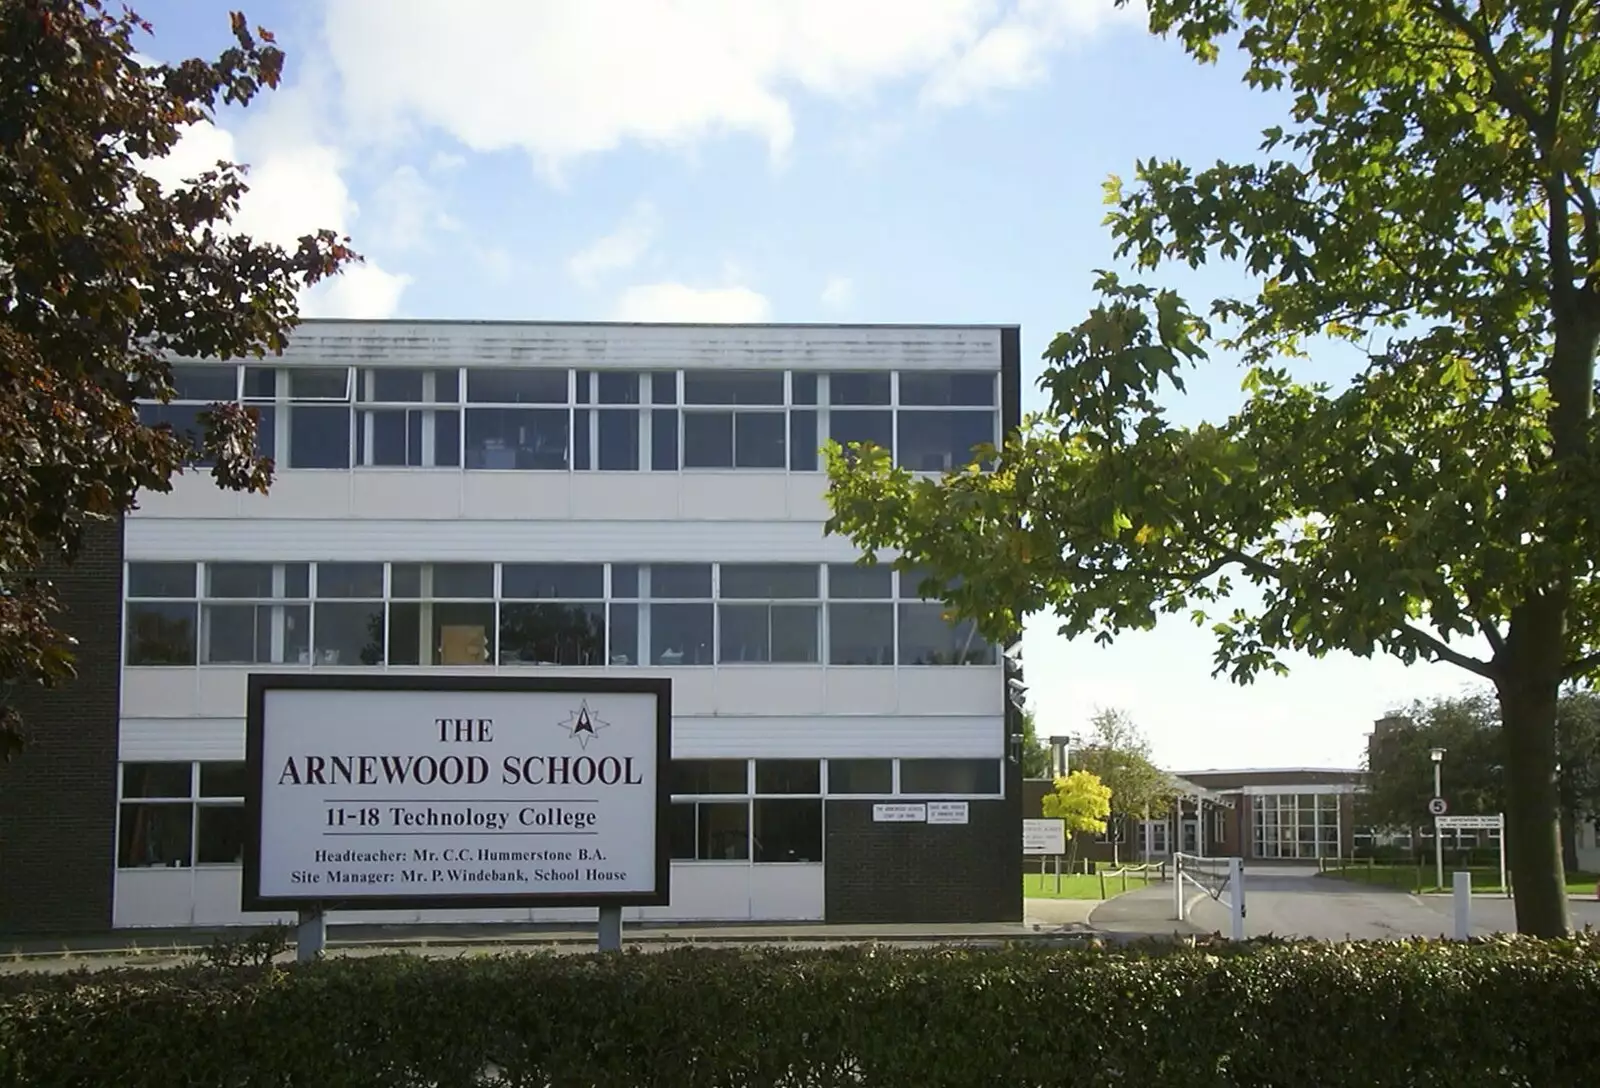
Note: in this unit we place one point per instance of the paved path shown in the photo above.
(1293, 901)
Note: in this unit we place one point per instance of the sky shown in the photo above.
(935, 161)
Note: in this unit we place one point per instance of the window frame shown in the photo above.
(196, 800)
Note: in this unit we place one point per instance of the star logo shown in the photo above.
(582, 726)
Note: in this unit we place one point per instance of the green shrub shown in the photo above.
(1508, 1012)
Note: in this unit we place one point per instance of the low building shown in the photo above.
(518, 498)
(1279, 814)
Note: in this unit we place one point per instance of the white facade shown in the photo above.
(590, 499)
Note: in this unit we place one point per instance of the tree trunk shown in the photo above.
(1569, 841)
(1529, 686)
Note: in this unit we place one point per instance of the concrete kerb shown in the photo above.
(176, 944)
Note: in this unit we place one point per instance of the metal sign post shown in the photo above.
(311, 937)
(611, 929)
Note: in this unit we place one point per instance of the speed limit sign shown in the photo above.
(1438, 806)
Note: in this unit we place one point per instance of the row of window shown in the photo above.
(564, 614)
(339, 417)
(1288, 825)
(179, 815)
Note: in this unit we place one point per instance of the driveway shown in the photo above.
(1292, 901)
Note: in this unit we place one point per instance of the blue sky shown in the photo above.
(825, 160)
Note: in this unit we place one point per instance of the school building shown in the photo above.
(524, 498)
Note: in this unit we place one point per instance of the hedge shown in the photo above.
(1268, 1013)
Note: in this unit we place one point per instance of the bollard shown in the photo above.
(1463, 898)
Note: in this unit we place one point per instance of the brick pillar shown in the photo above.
(58, 797)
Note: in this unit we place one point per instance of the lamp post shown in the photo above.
(1437, 755)
(1060, 749)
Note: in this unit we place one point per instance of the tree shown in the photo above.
(105, 277)
(1400, 774)
(1399, 770)
(1118, 754)
(1035, 753)
(1429, 202)
(1082, 803)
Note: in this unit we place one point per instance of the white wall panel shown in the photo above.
(702, 737)
(449, 495)
(787, 893)
(153, 897)
(156, 740)
(748, 691)
(970, 689)
(861, 691)
(839, 737)
(769, 689)
(640, 347)
(287, 539)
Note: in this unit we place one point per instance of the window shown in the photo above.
(928, 638)
(695, 777)
(195, 388)
(681, 619)
(318, 410)
(607, 438)
(772, 627)
(734, 439)
(510, 437)
(349, 614)
(845, 388)
(256, 614)
(219, 815)
(397, 423)
(715, 817)
(162, 614)
(948, 388)
(787, 776)
(875, 427)
(788, 829)
(860, 615)
(622, 646)
(552, 614)
(441, 614)
(664, 441)
(942, 417)
(165, 821)
(861, 776)
(950, 776)
(942, 441)
(710, 830)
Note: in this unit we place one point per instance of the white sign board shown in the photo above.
(1470, 823)
(899, 814)
(1044, 837)
(415, 792)
(947, 812)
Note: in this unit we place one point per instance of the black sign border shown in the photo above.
(255, 724)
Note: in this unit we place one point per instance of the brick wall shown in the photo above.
(925, 873)
(58, 797)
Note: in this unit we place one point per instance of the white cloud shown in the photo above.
(1014, 51)
(836, 292)
(361, 290)
(678, 302)
(618, 250)
(559, 80)
(295, 187)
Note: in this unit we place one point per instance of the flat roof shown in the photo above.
(1270, 770)
(658, 324)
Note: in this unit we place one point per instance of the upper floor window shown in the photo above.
(344, 614)
(557, 419)
(769, 612)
